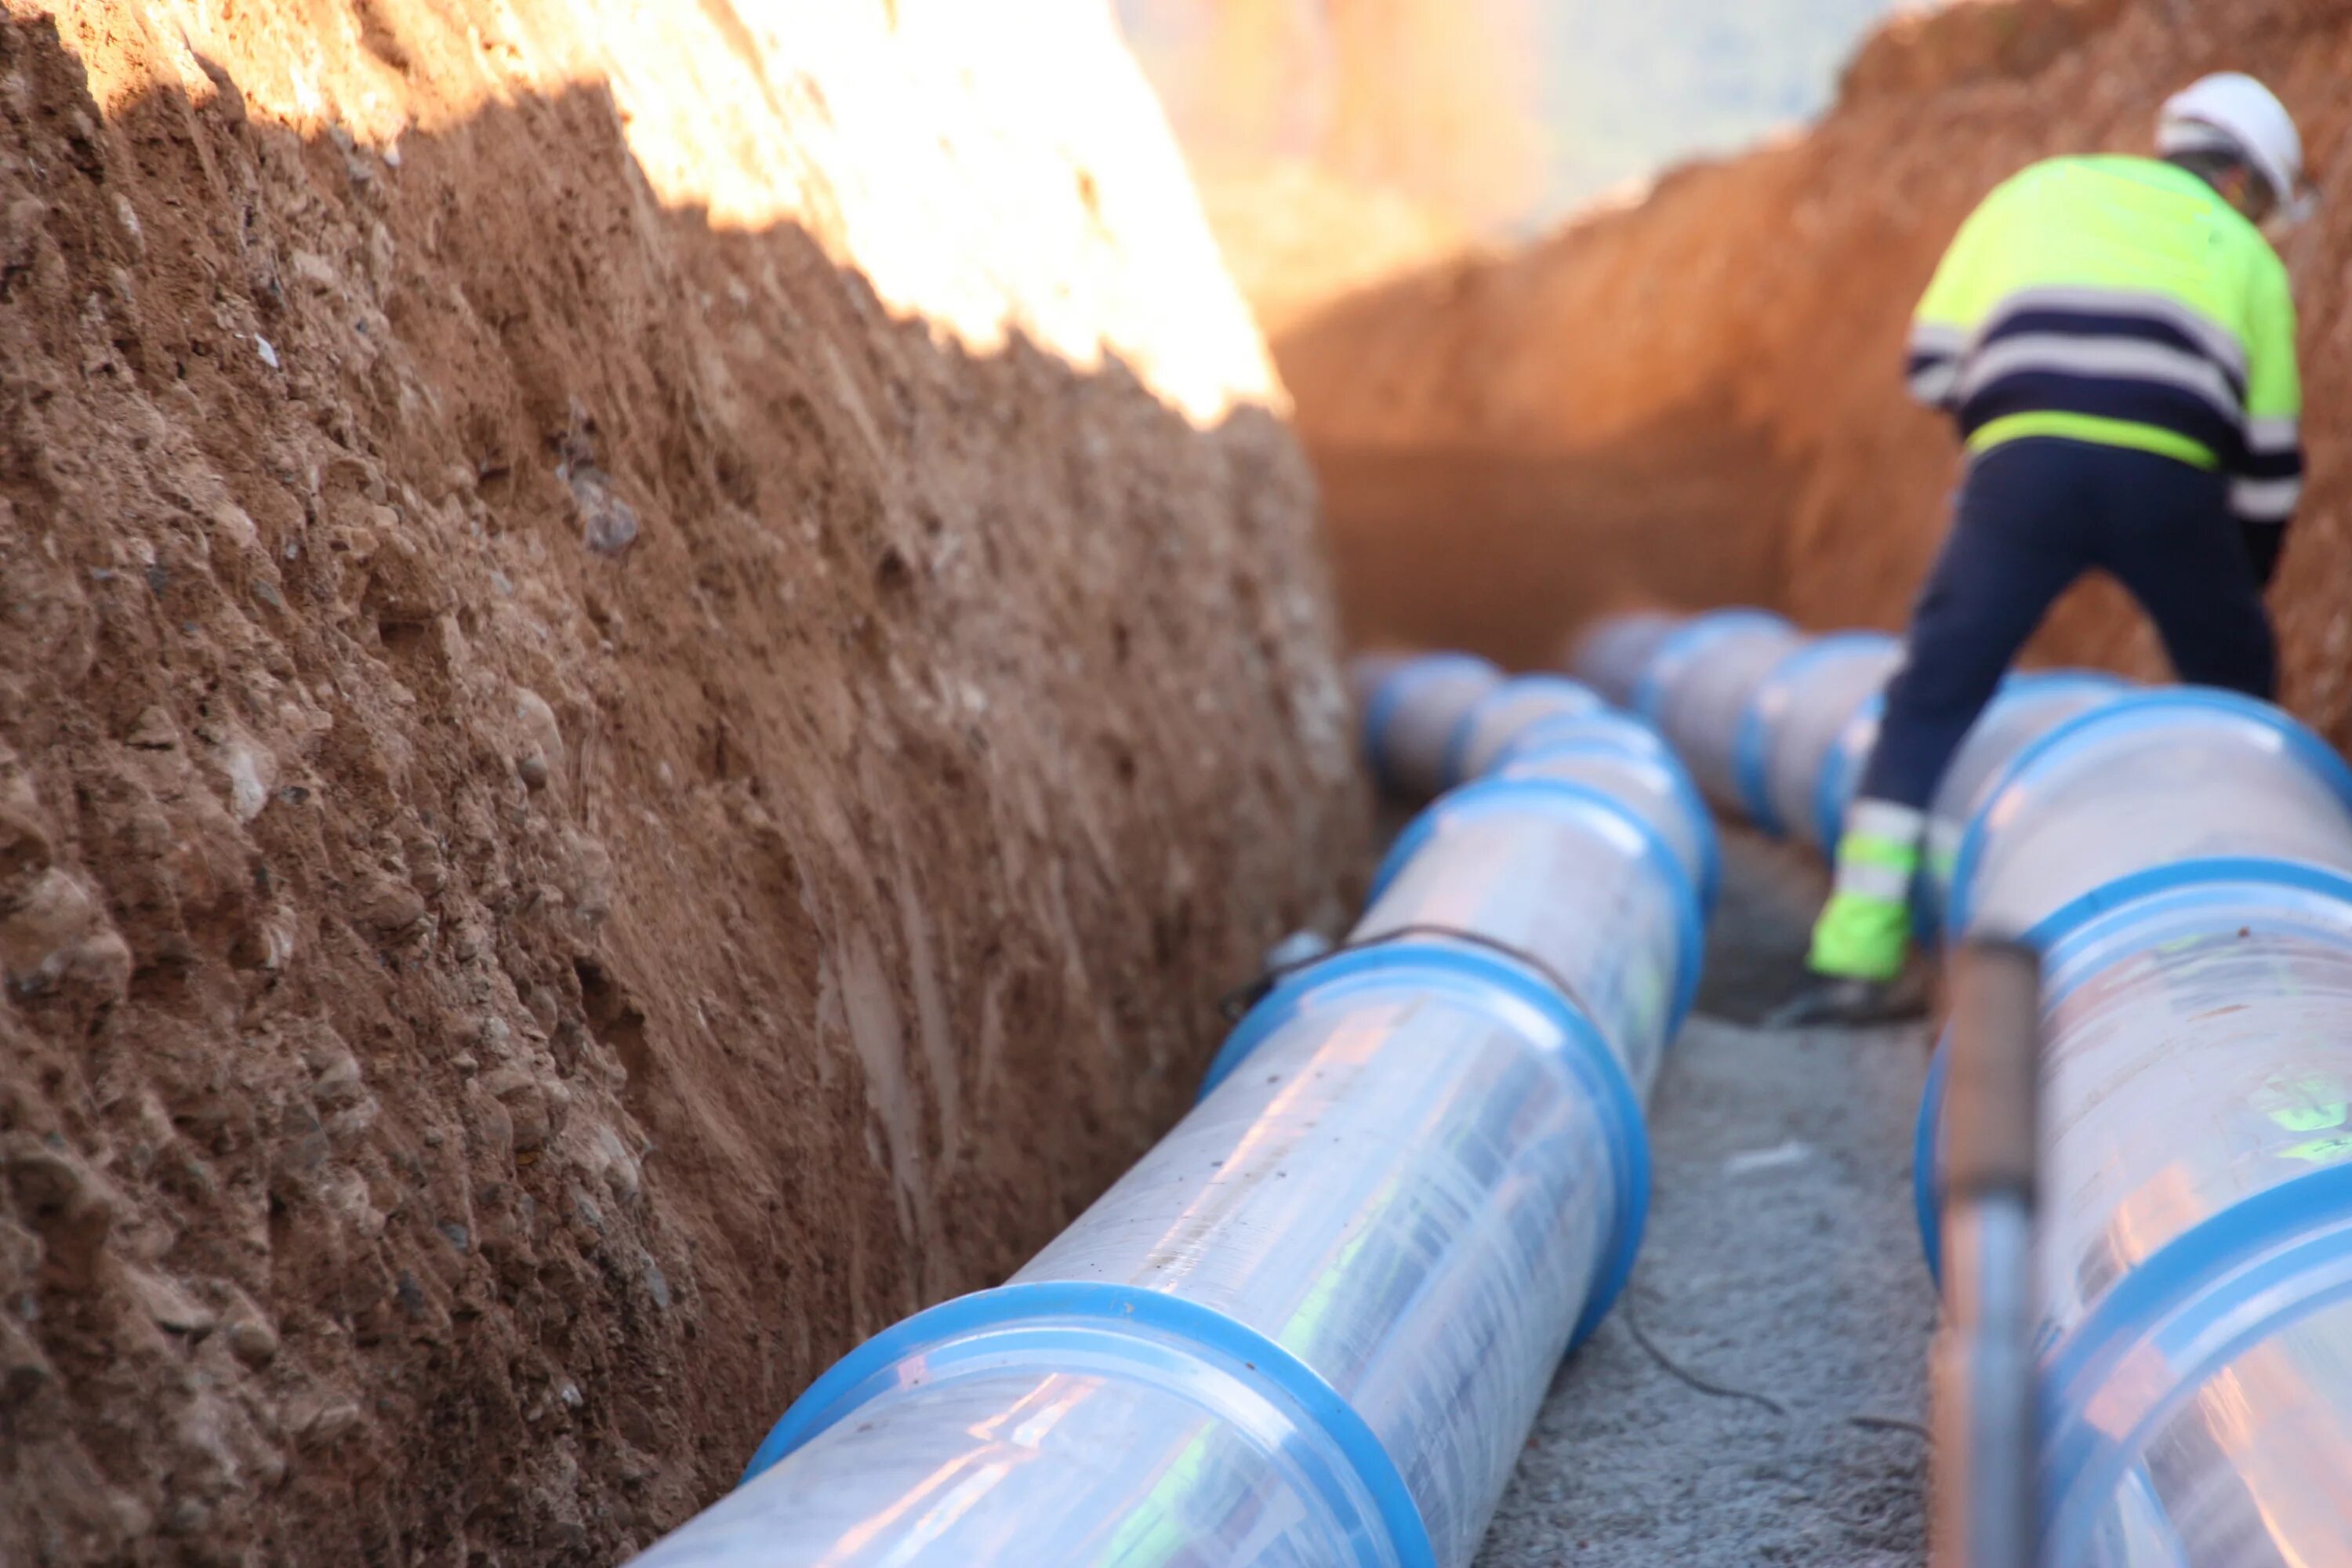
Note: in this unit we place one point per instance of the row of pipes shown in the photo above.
(1312, 1326)
(2181, 861)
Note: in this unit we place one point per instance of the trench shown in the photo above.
(1759, 1395)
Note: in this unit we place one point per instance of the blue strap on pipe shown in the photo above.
(1841, 775)
(1502, 794)
(1840, 772)
(1465, 728)
(1751, 746)
(2207, 871)
(2062, 938)
(1685, 794)
(1684, 646)
(2133, 707)
(2235, 1279)
(1634, 736)
(1517, 995)
(1118, 1316)
(1386, 697)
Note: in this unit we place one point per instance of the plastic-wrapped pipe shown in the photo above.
(1644, 778)
(1509, 710)
(1312, 1326)
(2144, 783)
(1786, 734)
(1574, 880)
(2029, 706)
(2196, 1244)
(1622, 731)
(1612, 653)
(2140, 793)
(1698, 684)
(1411, 707)
(1625, 757)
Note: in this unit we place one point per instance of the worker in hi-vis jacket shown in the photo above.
(2115, 339)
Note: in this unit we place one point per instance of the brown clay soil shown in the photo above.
(599, 794)
(1698, 398)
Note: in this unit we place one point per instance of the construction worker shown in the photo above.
(2115, 339)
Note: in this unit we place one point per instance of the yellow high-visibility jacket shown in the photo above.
(2120, 300)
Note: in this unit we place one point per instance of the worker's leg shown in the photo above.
(2170, 539)
(2018, 541)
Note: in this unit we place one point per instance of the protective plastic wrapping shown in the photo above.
(1698, 684)
(2196, 1237)
(1612, 653)
(1312, 1326)
(1784, 738)
(1508, 711)
(2183, 860)
(1412, 708)
(1622, 731)
(2180, 857)
(1573, 882)
(1641, 777)
(2150, 780)
(2028, 707)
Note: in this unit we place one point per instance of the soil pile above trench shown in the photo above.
(641, 696)
(1699, 398)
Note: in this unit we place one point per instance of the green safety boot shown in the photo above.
(1862, 944)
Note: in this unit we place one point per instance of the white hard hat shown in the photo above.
(2233, 112)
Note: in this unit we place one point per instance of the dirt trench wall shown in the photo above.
(1699, 398)
(646, 683)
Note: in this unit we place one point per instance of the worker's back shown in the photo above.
(2130, 224)
(2115, 299)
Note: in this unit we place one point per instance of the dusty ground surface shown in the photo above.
(1742, 330)
(1781, 1267)
(646, 682)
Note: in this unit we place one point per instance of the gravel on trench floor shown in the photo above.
(1757, 1396)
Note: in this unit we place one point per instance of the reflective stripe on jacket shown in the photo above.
(2120, 300)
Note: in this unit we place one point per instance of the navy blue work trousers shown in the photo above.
(2034, 515)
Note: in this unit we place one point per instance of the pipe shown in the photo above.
(2146, 792)
(1622, 731)
(1784, 736)
(1501, 857)
(2181, 858)
(1641, 778)
(2195, 1255)
(1610, 655)
(1622, 756)
(2182, 861)
(2029, 706)
(2142, 784)
(1507, 712)
(1698, 686)
(1412, 706)
(1312, 1326)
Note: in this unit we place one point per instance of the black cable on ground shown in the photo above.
(1688, 1377)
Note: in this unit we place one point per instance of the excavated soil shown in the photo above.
(1699, 397)
(592, 807)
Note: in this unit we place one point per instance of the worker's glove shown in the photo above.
(2265, 543)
